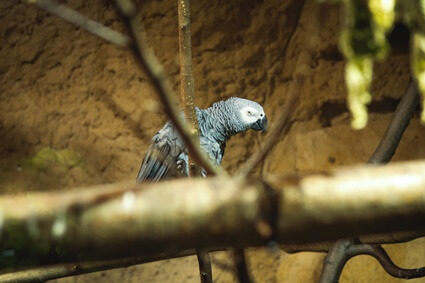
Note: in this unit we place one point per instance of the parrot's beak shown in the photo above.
(261, 124)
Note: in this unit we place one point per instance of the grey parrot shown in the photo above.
(167, 155)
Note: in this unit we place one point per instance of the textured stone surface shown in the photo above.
(63, 88)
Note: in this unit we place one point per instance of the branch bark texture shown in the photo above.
(346, 249)
(401, 119)
(211, 213)
(187, 97)
(44, 273)
(186, 76)
(154, 70)
(375, 239)
(342, 250)
(188, 101)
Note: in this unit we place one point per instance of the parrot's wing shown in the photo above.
(165, 157)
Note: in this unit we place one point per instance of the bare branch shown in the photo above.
(335, 260)
(150, 64)
(145, 57)
(186, 78)
(44, 273)
(204, 262)
(242, 272)
(388, 238)
(81, 21)
(337, 257)
(281, 127)
(344, 250)
(381, 255)
(344, 203)
(188, 102)
(401, 119)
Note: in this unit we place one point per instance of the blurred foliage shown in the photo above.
(358, 76)
(48, 169)
(47, 158)
(418, 65)
(363, 40)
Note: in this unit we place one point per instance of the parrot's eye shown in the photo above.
(261, 115)
(249, 112)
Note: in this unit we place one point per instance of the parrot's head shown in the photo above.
(250, 114)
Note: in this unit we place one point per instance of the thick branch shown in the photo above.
(81, 21)
(335, 260)
(384, 152)
(401, 119)
(150, 64)
(204, 263)
(241, 266)
(210, 213)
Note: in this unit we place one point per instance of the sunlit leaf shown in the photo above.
(418, 65)
(358, 77)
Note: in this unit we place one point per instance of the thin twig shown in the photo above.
(389, 266)
(375, 239)
(84, 22)
(281, 126)
(337, 256)
(153, 68)
(241, 268)
(348, 248)
(44, 273)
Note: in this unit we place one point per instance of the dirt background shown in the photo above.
(64, 89)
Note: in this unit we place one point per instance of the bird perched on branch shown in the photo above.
(167, 155)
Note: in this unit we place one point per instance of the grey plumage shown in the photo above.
(167, 154)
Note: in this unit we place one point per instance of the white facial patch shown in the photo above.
(250, 115)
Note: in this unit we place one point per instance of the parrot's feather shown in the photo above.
(167, 155)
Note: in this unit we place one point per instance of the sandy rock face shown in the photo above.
(62, 88)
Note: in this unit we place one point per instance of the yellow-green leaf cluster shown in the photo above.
(47, 158)
(418, 65)
(365, 26)
(383, 13)
(358, 76)
(363, 40)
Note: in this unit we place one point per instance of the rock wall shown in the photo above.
(62, 88)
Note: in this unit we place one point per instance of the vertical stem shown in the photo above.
(155, 72)
(187, 100)
(241, 266)
(186, 77)
(205, 269)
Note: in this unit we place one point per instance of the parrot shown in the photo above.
(167, 156)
